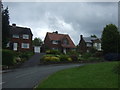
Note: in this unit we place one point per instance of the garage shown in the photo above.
(37, 49)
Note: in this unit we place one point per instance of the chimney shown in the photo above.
(56, 32)
(81, 36)
(13, 24)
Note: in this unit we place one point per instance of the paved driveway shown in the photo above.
(31, 76)
(33, 61)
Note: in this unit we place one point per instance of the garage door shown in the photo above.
(37, 49)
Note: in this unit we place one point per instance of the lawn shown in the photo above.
(99, 75)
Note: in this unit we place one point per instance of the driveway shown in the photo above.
(33, 61)
(31, 76)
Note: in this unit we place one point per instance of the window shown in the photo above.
(15, 36)
(25, 45)
(89, 45)
(65, 42)
(54, 42)
(55, 48)
(25, 36)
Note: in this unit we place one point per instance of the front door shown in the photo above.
(15, 45)
(64, 50)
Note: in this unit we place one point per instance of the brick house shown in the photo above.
(86, 43)
(61, 42)
(20, 38)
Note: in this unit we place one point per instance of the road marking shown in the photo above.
(24, 75)
(2, 83)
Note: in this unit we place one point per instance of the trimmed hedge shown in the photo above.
(8, 57)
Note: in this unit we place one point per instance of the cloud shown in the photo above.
(69, 18)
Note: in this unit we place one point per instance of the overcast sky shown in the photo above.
(77, 18)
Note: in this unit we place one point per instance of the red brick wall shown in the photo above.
(20, 41)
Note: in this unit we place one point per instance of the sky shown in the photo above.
(72, 18)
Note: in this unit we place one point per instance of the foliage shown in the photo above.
(110, 39)
(64, 58)
(8, 57)
(87, 55)
(37, 42)
(55, 52)
(93, 50)
(25, 55)
(48, 58)
(94, 36)
(5, 27)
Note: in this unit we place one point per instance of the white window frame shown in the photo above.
(54, 42)
(15, 36)
(25, 36)
(89, 45)
(25, 45)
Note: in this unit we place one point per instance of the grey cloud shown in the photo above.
(71, 18)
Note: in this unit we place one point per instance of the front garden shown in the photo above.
(11, 59)
(54, 56)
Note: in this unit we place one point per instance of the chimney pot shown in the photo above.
(81, 36)
(14, 24)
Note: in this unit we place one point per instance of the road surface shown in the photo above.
(31, 76)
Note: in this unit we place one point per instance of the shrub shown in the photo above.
(69, 59)
(47, 58)
(55, 52)
(65, 58)
(86, 55)
(25, 55)
(99, 54)
(112, 56)
(74, 57)
(93, 50)
(8, 57)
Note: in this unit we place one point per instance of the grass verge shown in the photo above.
(99, 75)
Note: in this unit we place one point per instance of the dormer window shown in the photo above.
(55, 42)
(25, 36)
(15, 36)
(65, 41)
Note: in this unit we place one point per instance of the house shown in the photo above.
(86, 43)
(56, 41)
(20, 38)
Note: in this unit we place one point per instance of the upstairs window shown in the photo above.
(15, 36)
(89, 44)
(54, 42)
(65, 41)
(25, 36)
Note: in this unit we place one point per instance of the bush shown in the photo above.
(87, 55)
(93, 50)
(8, 57)
(65, 58)
(47, 58)
(74, 57)
(25, 55)
(112, 56)
(55, 52)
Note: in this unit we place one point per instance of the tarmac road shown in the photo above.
(29, 77)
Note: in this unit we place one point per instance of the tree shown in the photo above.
(94, 36)
(110, 39)
(37, 42)
(5, 27)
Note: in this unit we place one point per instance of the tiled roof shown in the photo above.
(55, 36)
(89, 39)
(20, 30)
